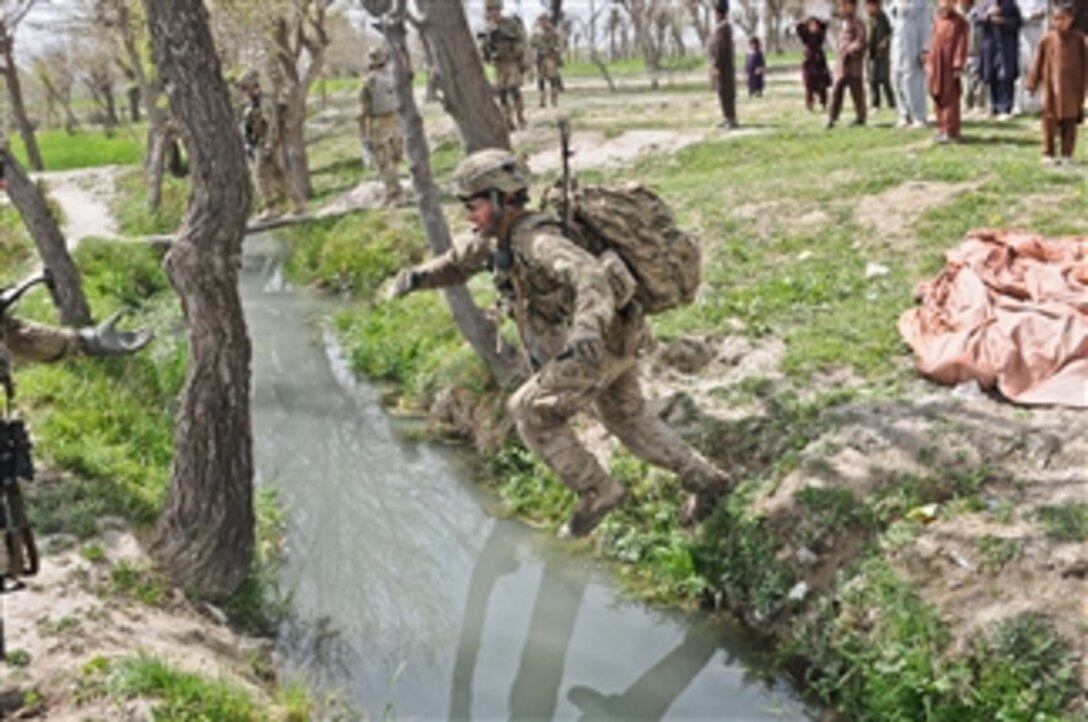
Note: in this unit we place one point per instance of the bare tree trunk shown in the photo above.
(71, 123)
(68, 290)
(205, 535)
(503, 361)
(15, 95)
(466, 94)
(296, 158)
(134, 103)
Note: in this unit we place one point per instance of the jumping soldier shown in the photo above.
(263, 147)
(378, 125)
(548, 53)
(582, 334)
(503, 45)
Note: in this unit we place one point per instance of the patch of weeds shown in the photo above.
(17, 658)
(738, 557)
(528, 488)
(58, 627)
(93, 553)
(181, 696)
(996, 552)
(876, 654)
(903, 492)
(827, 511)
(353, 254)
(138, 582)
(131, 210)
(645, 535)
(1065, 522)
(1024, 671)
(91, 682)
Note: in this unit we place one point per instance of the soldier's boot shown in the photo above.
(704, 497)
(269, 212)
(593, 505)
(555, 97)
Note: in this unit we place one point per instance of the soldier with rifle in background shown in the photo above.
(548, 52)
(503, 45)
(378, 124)
(264, 146)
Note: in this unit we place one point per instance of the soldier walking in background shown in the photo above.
(582, 332)
(547, 50)
(503, 44)
(723, 72)
(379, 128)
(263, 141)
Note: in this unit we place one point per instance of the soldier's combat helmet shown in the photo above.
(492, 4)
(249, 79)
(490, 170)
(378, 56)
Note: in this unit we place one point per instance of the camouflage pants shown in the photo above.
(273, 185)
(387, 147)
(548, 80)
(508, 81)
(544, 406)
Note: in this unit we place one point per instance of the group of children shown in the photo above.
(937, 68)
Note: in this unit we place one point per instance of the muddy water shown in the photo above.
(413, 601)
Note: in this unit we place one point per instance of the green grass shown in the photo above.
(134, 218)
(84, 148)
(1066, 522)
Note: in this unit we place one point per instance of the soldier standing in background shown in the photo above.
(503, 44)
(379, 128)
(263, 149)
(582, 332)
(548, 54)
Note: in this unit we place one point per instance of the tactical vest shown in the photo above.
(383, 93)
(507, 40)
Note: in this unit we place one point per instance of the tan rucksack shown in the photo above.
(638, 225)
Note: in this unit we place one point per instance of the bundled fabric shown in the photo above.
(1010, 311)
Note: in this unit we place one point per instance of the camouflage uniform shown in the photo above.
(547, 51)
(263, 148)
(28, 341)
(378, 124)
(503, 45)
(557, 292)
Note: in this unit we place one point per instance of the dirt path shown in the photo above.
(84, 197)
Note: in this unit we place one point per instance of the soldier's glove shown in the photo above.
(106, 340)
(405, 282)
(584, 345)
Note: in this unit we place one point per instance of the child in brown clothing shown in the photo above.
(1061, 64)
(850, 64)
(944, 65)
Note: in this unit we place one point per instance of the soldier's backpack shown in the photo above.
(638, 225)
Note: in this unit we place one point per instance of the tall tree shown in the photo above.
(125, 21)
(12, 13)
(296, 56)
(67, 289)
(205, 535)
(503, 361)
(466, 94)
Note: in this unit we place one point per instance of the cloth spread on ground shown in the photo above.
(1009, 310)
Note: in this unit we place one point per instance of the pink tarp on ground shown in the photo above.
(1009, 310)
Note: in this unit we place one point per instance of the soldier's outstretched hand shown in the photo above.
(106, 339)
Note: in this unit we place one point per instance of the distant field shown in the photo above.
(84, 149)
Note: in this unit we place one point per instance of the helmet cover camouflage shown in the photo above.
(493, 5)
(489, 170)
(249, 79)
(378, 56)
